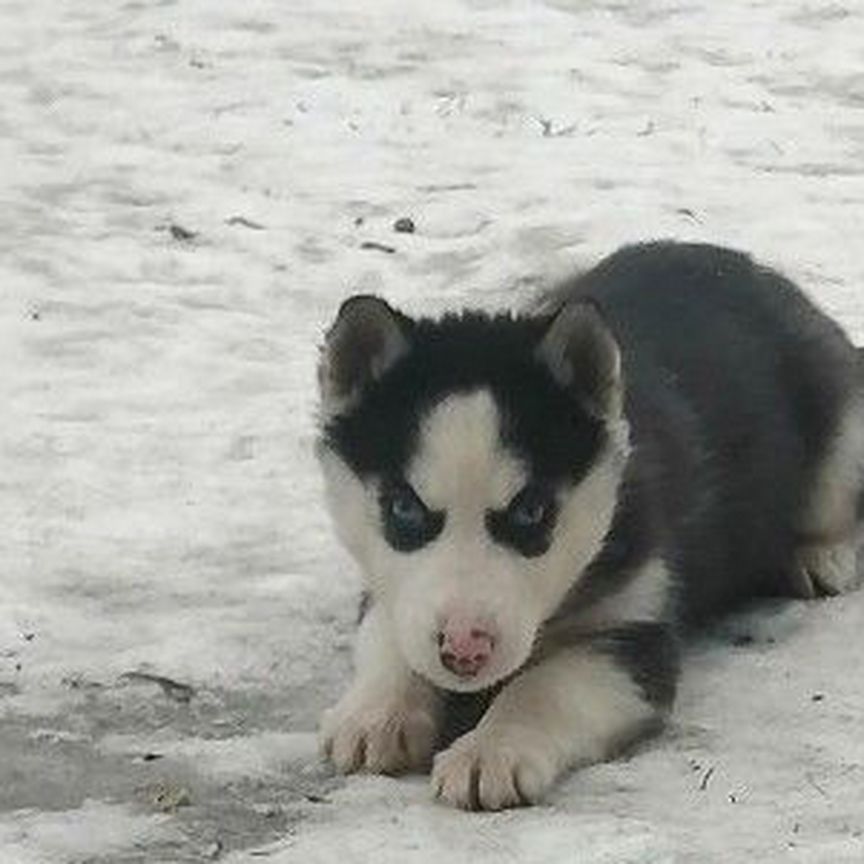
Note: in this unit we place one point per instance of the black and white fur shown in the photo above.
(687, 431)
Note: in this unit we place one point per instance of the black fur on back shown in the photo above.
(734, 385)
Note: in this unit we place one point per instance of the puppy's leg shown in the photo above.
(827, 560)
(576, 707)
(387, 721)
(829, 568)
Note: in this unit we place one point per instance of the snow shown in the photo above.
(90, 830)
(186, 191)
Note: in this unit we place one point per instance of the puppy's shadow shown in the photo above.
(760, 624)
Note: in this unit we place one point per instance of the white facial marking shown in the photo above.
(583, 522)
(461, 465)
(353, 508)
(462, 468)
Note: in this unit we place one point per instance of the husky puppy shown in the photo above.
(541, 505)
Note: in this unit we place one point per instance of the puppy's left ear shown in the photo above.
(582, 355)
(366, 339)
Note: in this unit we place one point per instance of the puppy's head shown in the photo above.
(472, 467)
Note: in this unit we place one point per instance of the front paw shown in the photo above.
(489, 770)
(380, 735)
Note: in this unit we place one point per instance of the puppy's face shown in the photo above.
(472, 470)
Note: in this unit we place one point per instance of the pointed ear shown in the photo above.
(583, 356)
(366, 339)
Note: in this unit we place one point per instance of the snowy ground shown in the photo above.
(186, 191)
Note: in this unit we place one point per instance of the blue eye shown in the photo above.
(405, 507)
(527, 522)
(408, 524)
(529, 509)
(528, 512)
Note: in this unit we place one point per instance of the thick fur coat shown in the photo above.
(543, 505)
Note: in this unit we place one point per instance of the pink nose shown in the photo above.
(465, 650)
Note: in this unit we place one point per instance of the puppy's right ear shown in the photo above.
(366, 339)
(583, 356)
